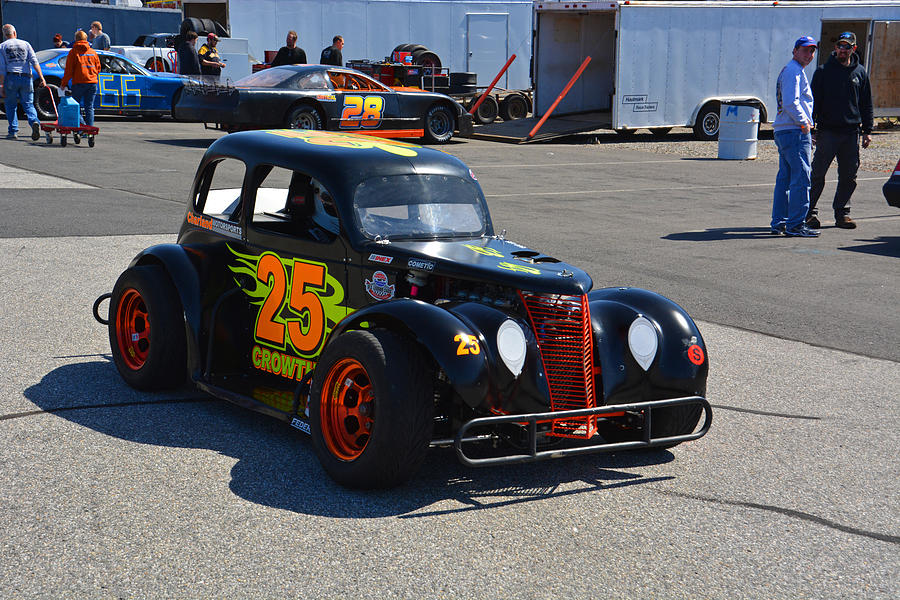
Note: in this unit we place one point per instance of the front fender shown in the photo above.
(681, 364)
(181, 270)
(436, 330)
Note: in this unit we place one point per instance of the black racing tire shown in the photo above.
(439, 124)
(304, 116)
(158, 65)
(668, 421)
(706, 127)
(513, 106)
(660, 131)
(146, 329)
(43, 97)
(426, 58)
(487, 111)
(371, 381)
(464, 78)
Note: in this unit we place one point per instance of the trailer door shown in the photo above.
(487, 36)
(884, 68)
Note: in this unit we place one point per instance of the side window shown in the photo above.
(294, 204)
(219, 192)
(117, 65)
(104, 64)
(312, 81)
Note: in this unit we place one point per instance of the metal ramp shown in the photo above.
(516, 132)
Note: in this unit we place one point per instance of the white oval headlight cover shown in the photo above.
(643, 341)
(511, 345)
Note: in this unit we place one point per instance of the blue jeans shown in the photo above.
(84, 93)
(18, 88)
(791, 201)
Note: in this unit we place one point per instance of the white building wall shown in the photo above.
(373, 28)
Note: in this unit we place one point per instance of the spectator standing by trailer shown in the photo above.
(843, 106)
(210, 64)
(188, 59)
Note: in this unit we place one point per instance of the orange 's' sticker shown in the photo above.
(695, 354)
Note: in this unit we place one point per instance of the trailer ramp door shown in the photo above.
(564, 40)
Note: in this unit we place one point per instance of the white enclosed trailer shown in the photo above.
(658, 65)
(467, 35)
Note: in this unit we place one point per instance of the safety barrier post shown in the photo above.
(560, 97)
(493, 83)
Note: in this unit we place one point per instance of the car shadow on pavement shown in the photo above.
(277, 467)
(880, 246)
(722, 233)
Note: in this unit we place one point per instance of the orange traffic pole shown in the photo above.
(493, 83)
(560, 97)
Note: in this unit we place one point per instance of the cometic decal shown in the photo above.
(297, 304)
(343, 140)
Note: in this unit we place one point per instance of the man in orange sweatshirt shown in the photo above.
(82, 66)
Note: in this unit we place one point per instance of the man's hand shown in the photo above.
(805, 128)
(866, 139)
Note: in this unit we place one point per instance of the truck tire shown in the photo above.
(513, 106)
(146, 329)
(371, 409)
(487, 111)
(706, 127)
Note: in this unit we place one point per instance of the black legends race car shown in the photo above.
(324, 97)
(355, 288)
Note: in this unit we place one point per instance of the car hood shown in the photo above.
(487, 259)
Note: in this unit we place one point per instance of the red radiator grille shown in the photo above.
(562, 325)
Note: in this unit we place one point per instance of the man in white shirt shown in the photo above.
(793, 126)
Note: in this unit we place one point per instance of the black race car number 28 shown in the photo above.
(362, 111)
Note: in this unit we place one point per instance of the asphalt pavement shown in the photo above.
(109, 492)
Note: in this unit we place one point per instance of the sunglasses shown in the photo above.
(844, 46)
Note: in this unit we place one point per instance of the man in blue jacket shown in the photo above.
(843, 105)
(792, 127)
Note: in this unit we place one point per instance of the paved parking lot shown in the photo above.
(107, 492)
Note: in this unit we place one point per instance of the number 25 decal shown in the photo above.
(467, 344)
(362, 111)
(305, 304)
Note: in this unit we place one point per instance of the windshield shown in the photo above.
(419, 207)
(266, 78)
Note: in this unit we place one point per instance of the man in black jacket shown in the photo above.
(332, 54)
(842, 105)
(291, 53)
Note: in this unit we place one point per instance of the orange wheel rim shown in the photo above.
(347, 409)
(133, 329)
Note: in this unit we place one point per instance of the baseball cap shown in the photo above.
(805, 41)
(211, 36)
(847, 36)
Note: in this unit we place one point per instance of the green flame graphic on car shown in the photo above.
(272, 289)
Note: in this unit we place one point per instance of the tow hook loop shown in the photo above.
(96, 308)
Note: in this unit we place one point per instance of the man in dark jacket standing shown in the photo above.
(843, 106)
(332, 54)
(188, 59)
(291, 53)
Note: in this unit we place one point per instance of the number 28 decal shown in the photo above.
(362, 111)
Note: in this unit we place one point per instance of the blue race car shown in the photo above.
(124, 87)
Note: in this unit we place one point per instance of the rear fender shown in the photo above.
(439, 332)
(681, 364)
(175, 260)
